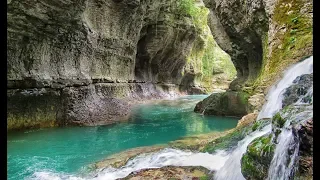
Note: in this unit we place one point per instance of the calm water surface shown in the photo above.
(71, 149)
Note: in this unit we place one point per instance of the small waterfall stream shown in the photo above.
(283, 163)
(226, 165)
(274, 97)
(232, 168)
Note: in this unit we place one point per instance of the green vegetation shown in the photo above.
(206, 56)
(227, 141)
(197, 13)
(292, 40)
(258, 125)
(255, 162)
(261, 146)
(243, 96)
(278, 120)
(204, 178)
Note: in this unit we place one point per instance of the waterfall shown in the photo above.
(226, 165)
(278, 168)
(274, 96)
(283, 163)
(163, 158)
(232, 168)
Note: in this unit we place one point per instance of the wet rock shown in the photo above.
(171, 172)
(120, 159)
(230, 103)
(256, 161)
(247, 119)
(32, 108)
(83, 106)
(298, 89)
(96, 104)
(305, 134)
(238, 27)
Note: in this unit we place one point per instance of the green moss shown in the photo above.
(255, 162)
(278, 121)
(34, 121)
(204, 178)
(261, 145)
(258, 125)
(243, 97)
(205, 55)
(227, 141)
(292, 40)
(247, 165)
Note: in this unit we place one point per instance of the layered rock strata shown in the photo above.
(78, 62)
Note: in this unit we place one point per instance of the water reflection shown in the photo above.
(71, 148)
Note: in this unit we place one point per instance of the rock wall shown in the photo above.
(263, 38)
(238, 27)
(81, 42)
(295, 116)
(82, 62)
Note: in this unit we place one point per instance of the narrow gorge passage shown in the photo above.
(114, 89)
(70, 150)
(223, 163)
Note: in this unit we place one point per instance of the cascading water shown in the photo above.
(283, 163)
(226, 165)
(232, 168)
(274, 97)
(163, 158)
(278, 168)
(158, 159)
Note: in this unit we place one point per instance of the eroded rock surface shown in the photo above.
(263, 38)
(170, 172)
(82, 61)
(230, 103)
(301, 86)
(238, 27)
(294, 119)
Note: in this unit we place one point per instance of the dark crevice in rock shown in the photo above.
(242, 26)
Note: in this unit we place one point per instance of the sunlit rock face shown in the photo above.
(263, 38)
(77, 57)
(238, 27)
(71, 43)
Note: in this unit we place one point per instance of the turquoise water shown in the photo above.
(71, 149)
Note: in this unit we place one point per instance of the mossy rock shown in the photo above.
(172, 173)
(291, 43)
(230, 103)
(225, 142)
(255, 162)
(229, 140)
(278, 120)
(258, 125)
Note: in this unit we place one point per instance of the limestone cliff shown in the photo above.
(81, 62)
(263, 38)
